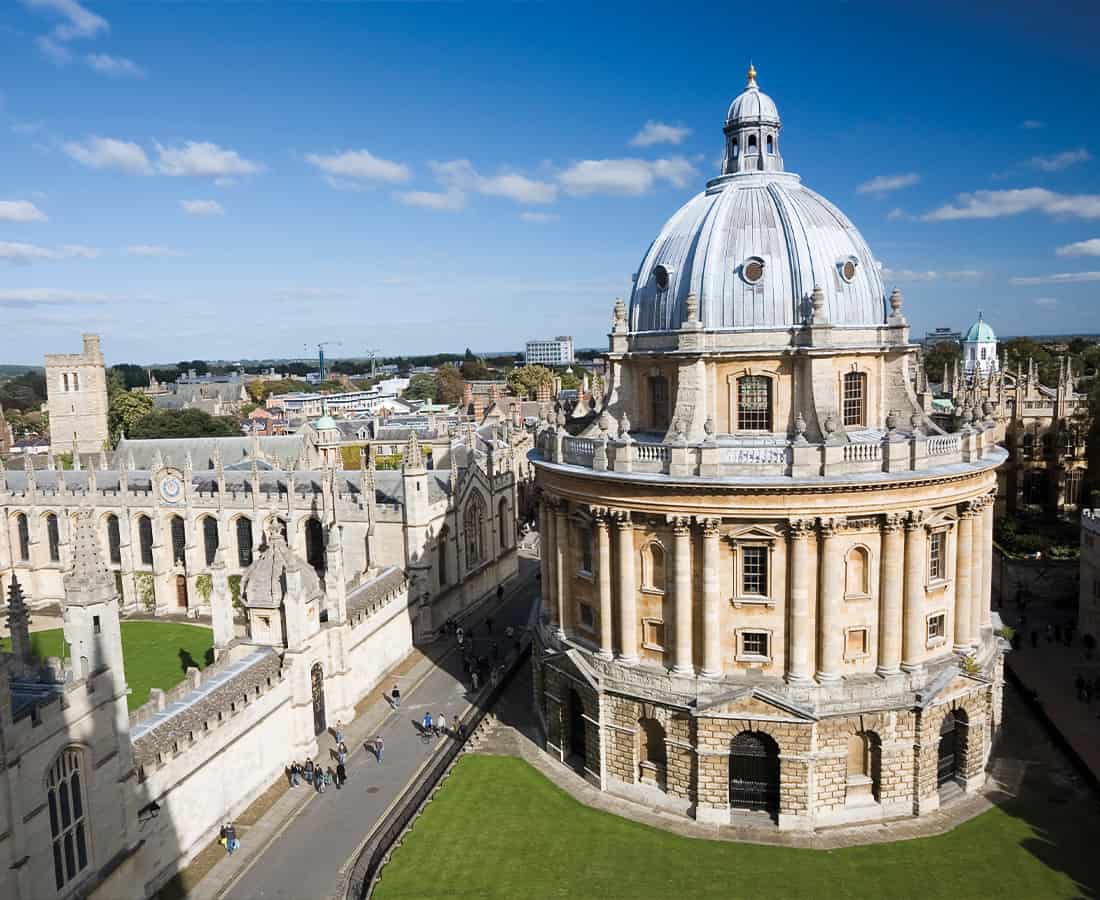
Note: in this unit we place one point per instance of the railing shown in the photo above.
(862, 452)
(651, 452)
(943, 445)
(579, 449)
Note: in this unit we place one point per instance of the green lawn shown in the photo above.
(499, 829)
(156, 653)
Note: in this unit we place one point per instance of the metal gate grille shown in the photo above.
(945, 762)
(754, 773)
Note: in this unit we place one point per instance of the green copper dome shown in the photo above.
(980, 331)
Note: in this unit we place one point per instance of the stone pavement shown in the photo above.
(1050, 670)
(302, 846)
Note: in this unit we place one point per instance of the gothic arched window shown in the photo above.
(210, 538)
(473, 526)
(244, 542)
(114, 541)
(179, 541)
(145, 539)
(68, 828)
(23, 532)
(54, 538)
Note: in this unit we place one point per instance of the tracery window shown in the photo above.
(754, 403)
(855, 399)
(145, 539)
(53, 537)
(210, 538)
(244, 542)
(69, 830)
(473, 523)
(23, 532)
(179, 541)
(114, 541)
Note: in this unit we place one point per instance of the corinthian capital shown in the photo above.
(893, 522)
(800, 527)
(709, 526)
(680, 524)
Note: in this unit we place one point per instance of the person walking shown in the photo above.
(474, 679)
(441, 724)
(460, 635)
(338, 732)
(395, 695)
(426, 723)
(308, 771)
(294, 773)
(379, 748)
(341, 775)
(342, 753)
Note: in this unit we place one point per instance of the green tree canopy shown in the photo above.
(449, 385)
(939, 355)
(132, 376)
(421, 387)
(524, 381)
(24, 392)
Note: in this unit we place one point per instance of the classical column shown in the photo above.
(830, 595)
(544, 553)
(891, 593)
(985, 599)
(964, 567)
(561, 563)
(800, 658)
(913, 632)
(681, 563)
(628, 612)
(603, 579)
(712, 600)
(977, 568)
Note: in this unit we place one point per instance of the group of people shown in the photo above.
(319, 777)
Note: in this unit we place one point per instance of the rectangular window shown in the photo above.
(653, 634)
(95, 625)
(588, 617)
(937, 628)
(754, 403)
(936, 562)
(855, 399)
(855, 643)
(658, 395)
(754, 643)
(586, 550)
(754, 571)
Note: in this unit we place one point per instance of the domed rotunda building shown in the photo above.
(765, 573)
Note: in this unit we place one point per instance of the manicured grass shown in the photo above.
(156, 654)
(499, 829)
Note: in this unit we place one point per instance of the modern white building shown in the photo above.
(556, 352)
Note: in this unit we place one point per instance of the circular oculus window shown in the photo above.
(848, 269)
(752, 270)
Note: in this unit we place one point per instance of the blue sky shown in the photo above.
(223, 179)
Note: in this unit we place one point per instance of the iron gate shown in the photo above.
(945, 762)
(754, 773)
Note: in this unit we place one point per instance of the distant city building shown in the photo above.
(76, 394)
(942, 336)
(556, 352)
(216, 395)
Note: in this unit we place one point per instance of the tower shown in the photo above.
(76, 394)
(752, 132)
(979, 348)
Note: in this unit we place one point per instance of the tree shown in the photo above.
(421, 387)
(938, 355)
(184, 423)
(132, 376)
(25, 392)
(200, 366)
(526, 380)
(125, 409)
(449, 386)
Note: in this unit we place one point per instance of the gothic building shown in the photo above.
(766, 570)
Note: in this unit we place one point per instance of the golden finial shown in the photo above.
(752, 76)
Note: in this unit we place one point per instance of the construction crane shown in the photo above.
(321, 356)
(372, 355)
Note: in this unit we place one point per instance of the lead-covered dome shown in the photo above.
(754, 245)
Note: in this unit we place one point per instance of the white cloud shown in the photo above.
(624, 177)
(79, 21)
(1090, 247)
(897, 214)
(1060, 278)
(202, 208)
(33, 296)
(20, 211)
(360, 164)
(203, 159)
(1059, 161)
(150, 250)
(58, 54)
(904, 275)
(538, 218)
(996, 204)
(115, 66)
(460, 175)
(109, 153)
(883, 184)
(659, 133)
(1032, 124)
(450, 200)
(1045, 301)
(21, 254)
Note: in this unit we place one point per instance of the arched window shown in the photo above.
(752, 143)
(244, 542)
(651, 739)
(855, 399)
(179, 541)
(504, 524)
(653, 567)
(210, 538)
(315, 545)
(441, 554)
(771, 144)
(23, 533)
(53, 536)
(736, 149)
(114, 541)
(858, 762)
(65, 380)
(658, 403)
(754, 403)
(68, 826)
(473, 526)
(145, 539)
(856, 573)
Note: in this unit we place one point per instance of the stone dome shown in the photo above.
(753, 246)
(263, 585)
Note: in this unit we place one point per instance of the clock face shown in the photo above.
(171, 489)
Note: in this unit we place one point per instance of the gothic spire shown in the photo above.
(89, 580)
(19, 621)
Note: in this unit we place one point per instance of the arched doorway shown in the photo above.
(948, 755)
(754, 772)
(181, 591)
(576, 745)
(317, 688)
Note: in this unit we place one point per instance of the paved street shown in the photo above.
(307, 856)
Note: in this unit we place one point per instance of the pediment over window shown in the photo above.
(753, 533)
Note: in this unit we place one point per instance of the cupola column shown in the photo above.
(628, 613)
(800, 661)
(681, 531)
(891, 595)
